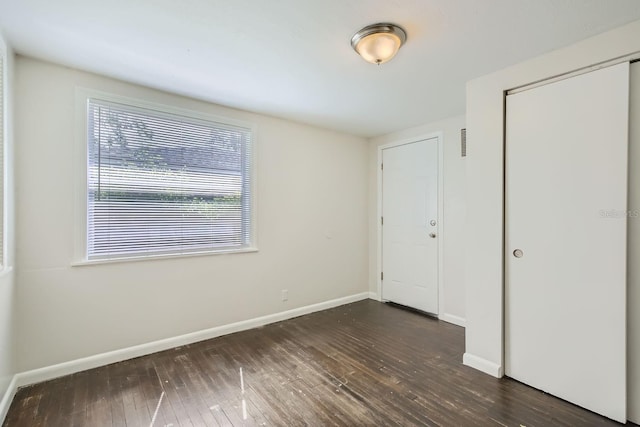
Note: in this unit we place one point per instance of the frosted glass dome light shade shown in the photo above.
(378, 43)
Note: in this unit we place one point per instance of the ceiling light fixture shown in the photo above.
(378, 43)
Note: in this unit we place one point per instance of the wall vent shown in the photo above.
(463, 142)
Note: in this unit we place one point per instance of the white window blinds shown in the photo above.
(161, 184)
(2, 143)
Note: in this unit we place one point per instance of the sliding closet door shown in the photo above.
(633, 296)
(565, 249)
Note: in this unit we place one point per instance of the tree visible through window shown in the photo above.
(165, 184)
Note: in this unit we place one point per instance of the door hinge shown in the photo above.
(381, 220)
(381, 275)
(381, 166)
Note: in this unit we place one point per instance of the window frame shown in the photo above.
(83, 96)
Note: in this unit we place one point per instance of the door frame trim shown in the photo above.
(439, 136)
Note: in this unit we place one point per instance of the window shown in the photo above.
(165, 184)
(3, 128)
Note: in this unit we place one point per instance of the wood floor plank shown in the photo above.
(365, 363)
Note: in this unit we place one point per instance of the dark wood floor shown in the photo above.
(365, 363)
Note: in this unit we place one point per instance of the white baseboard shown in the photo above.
(374, 296)
(5, 403)
(49, 372)
(450, 318)
(483, 365)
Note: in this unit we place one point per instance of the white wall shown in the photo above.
(7, 279)
(483, 260)
(312, 232)
(453, 300)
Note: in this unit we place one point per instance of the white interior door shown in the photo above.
(410, 225)
(566, 204)
(633, 296)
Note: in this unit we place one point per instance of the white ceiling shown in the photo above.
(292, 58)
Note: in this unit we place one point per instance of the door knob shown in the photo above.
(432, 235)
(518, 253)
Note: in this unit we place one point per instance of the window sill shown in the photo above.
(5, 271)
(84, 263)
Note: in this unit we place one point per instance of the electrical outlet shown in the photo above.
(285, 295)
